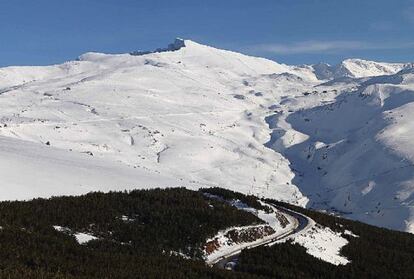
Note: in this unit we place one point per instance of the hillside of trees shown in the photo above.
(140, 235)
(160, 233)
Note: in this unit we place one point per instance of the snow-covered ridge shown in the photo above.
(357, 68)
(363, 68)
(176, 45)
(96, 56)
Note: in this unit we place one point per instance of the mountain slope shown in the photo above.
(332, 138)
(356, 149)
(186, 114)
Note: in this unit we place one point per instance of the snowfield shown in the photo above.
(329, 137)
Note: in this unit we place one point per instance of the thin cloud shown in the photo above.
(327, 46)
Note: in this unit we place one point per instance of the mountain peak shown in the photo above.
(176, 45)
(356, 68)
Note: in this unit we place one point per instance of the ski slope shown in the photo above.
(330, 137)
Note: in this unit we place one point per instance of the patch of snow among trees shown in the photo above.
(81, 238)
(322, 243)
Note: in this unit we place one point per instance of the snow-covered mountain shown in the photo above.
(357, 68)
(331, 137)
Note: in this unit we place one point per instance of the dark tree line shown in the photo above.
(138, 231)
(228, 195)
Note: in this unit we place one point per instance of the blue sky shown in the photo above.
(290, 31)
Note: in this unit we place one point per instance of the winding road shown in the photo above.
(302, 223)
